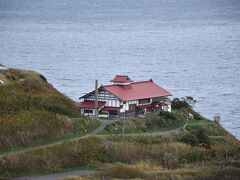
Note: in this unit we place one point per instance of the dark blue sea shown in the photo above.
(190, 47)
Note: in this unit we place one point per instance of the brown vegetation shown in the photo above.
(32, 110)
(167, 155)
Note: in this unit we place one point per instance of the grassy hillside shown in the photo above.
(204, 151)
(31, 109)
(147, 157)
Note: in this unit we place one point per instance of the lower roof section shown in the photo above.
(91, 104)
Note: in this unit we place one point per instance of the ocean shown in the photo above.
(189, 47)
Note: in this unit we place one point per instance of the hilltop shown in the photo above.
(32, 110)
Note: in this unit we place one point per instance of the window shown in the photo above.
(113, 113)
(144, 101)
(132, 106)
(103, 113)
(88, 111)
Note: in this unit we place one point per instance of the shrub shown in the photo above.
(178, 104)
(196, 136)
(164, 120)
(42, 77)
(202, 136)
(189, 138)
(197, 116)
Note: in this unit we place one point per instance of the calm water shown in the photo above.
(190, 47)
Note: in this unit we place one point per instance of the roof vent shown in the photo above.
(121, 79)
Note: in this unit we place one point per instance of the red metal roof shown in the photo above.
(137, 90)
(166, 102)
(144, 106)
(153, 104)
(121, 79)
(91, 104)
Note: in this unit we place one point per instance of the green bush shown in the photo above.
(178, 104)
(196, 136)
(189, 138)
(152, 122)
(164, 120)
(202, 136)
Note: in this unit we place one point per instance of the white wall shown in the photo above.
(169, 108)
(126, 105)
(113, 103)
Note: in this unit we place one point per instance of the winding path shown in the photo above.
(103, 124)
(57, 176)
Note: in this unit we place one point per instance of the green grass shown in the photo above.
(82, 127)
(212, 127)
(19, 174)
(164, 152)
(151, 123)
(32, 110)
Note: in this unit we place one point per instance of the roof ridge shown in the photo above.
(135, 82)
(121, 75)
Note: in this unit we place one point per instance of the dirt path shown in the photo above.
(92, 133)
(103, 124)
(166, 132)
(57, 176)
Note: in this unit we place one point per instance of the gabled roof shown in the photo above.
(137, 90)
(121, 79)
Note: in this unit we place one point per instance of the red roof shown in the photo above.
(91, 104)
(153, 104)
(121, 79)
(166, 102)
(144, 106)
(137, 90)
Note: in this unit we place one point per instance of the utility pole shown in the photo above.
(124, 118)
(96, 99)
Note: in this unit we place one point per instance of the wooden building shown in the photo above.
(126, 98)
